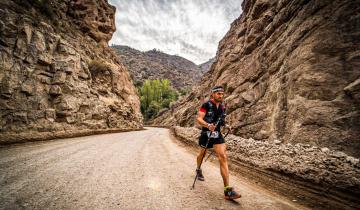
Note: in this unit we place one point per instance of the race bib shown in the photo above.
(214, 134)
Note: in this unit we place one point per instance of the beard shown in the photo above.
(218, 100)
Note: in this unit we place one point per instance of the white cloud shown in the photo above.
(191, 29)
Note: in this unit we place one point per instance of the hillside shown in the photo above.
(155, 64)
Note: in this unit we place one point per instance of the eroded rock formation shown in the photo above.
(291, 74)
(56, 73)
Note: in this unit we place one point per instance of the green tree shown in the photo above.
(155, 95)
(166, 103)
(153, 109)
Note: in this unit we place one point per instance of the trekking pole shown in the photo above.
(202, 158)
(212, 152)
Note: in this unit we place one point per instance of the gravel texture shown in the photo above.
(321, 167)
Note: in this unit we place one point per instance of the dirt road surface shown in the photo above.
(133, 170)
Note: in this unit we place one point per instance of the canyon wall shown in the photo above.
(57, 74)
(291, 74)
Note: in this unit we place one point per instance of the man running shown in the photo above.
(210, 113)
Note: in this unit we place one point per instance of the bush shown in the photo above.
(97, 67)
(153, 109)
(166, 103)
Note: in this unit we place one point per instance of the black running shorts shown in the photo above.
(203, 139)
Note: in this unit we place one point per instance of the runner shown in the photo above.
(211, 112)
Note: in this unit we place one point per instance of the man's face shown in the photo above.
(218, 96)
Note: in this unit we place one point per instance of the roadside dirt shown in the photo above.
(132, 170)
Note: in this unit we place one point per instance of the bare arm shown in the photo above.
(203, 123)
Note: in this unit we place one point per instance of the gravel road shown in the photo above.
(133, 170)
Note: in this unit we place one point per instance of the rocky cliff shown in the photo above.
(57, 75)
(155, 64)
(205, 67)
(291, 74)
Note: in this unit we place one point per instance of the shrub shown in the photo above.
(97, 67)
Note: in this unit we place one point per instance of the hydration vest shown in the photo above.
(212, 115)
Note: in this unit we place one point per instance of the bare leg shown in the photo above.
(200, 156)
(220, 150)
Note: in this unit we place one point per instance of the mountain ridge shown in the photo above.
(155, 64)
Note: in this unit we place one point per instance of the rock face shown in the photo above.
(205, 67)
(154, 64)
(95, 18)
(291, 73)
(55, 73)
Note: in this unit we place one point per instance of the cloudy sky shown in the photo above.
(188, 28)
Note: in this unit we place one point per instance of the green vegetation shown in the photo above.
(155, 95)
(185, 91)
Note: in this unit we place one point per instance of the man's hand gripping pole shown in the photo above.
(207, 143)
